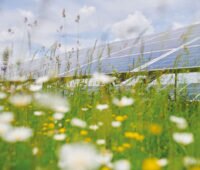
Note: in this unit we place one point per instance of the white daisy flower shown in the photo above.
(78, 157)
(78, 123)
(116, 124)
(35, 87)
(102, 107)
(183, 138)
(102, 78)
(100, 123)
(94, 127)
(53, 102)
(122, 165)
(106, 158)
(35, 150)
(124, 101)
(18, 134)
(38, 113)
(6, 117)
(180, 122)
(162, 162)
(1, 108)
(20, 100)
(58, 116)
(42, 80)
(101, 142)
(3, 95)
(190, 161)
(59, 137)
(4, 128)
(84, 109)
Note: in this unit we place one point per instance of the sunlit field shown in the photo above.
(100, 85)
(47, 125)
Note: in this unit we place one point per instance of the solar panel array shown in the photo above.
(169, 50)
(188, 84)
(175, 49)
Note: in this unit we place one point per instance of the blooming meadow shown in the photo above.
(45, 124)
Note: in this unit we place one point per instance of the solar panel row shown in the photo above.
(139, 54)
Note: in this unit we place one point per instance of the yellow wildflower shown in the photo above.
(83, 132)
(105, 168)
(51, 125)
(120, 118)
(155, 129)
(195, 168)
(51, 118)
(88, 140)
(134, 135)
(62, 130)
(151, 164)
(127, 145)
(120, 149)
(67, 120)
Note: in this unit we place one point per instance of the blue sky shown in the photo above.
(102, 20)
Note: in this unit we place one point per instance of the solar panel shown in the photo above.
(145, 53)
(184, 58)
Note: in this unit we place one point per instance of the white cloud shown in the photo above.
(26, 13)
(132, 26)
(86, 11)
(177, 25)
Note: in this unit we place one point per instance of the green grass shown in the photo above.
(148, 117)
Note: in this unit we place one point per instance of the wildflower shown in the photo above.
(3, 95)
(87, 140)
(51, 125)
(124, 101)
(102, 78)
(84, 109)
(116, 124)
(1, 108)
(42, 80)
(183, 138)
(134, 135)
(94, 127)
(105, 168)
(53, 102)
(4, 128)
(195, 168)
(59, 137)
(18, 134)
(101, 142)
(78, 122)
(100, 123)
(122, 165)
(35, 151)
(106, 158)
(127, 145)
(151, 164)
(120, 149)
(155, 129)
(6, 117)
(38, 113)
(162, 162)
(62, 130)
(83, 132)
(190, 161)
(180, 122)
(102, 107)
(35, 88)
(78, 157)
(20, 100)
(58, 116)
(120, 118)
